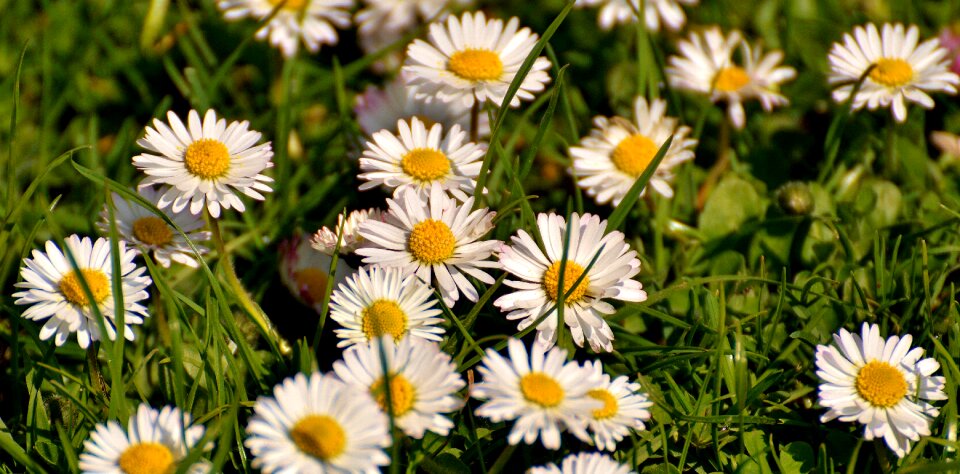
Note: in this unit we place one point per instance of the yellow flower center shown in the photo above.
(207, 158)
(290, 5)
(731, 79)
(152, 231)
(146, 458)
(633, 154)
(319, 436)
(425, 164)
(312, 282)
(476, 65)
(571, 272)
(402, 395)
(96, 280)
(610, 405)
(892, 72)
(384, 317)
(542, 389)
(881, 384)
(431, 241)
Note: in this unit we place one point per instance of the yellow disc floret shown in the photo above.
(542, 389)
(402, 394)
(431, 241)
(476, 65)
(384, 317)
(633, 154)
(72, 289)
(152, 231)
(319, 436)
(571, 272)
(146, 458)
(207, 158)
(881, 384)
(892, 72)
(610, 405)
(731, 79)
(290, 5)
(425, 164)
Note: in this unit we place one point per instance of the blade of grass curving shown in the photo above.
(471, 316)
(831, 145)
(11, 169)
(565, 95)
(619, 214)
(387, 388)
(117, 400)
(561, 290)
(24, 197)
(526, 160)
(10, 446)
(472, 344)
(328, 289)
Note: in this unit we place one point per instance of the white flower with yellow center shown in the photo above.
(55, 290)
(706, 66)
(617, 152)
(312, 21)
(902, 70)
(418, 158)
(539, 287)
(325, 240)
(625, 408)
(423, 382)
(142, 228)
(882, 384)
(435, 238)
(584, 463)
(377, 301)
(616, 12)
(317, 424)
(305, 271)
(472, 58)
(543, 392)
(155, 441)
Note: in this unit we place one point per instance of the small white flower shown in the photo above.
(317, 424)
(312, 21)
(378, 301)
(881, 384)
(543, 392)
(902, 71)
(539, 286)
(204, 164)
(584, 463)
(706, 66)
(423, 382)
(617, 152)
(474, 59)
(55, 291)
(654, 12)
(325, 240)
(141, 227)
(155, 441)
(625, 408)
(305, 271)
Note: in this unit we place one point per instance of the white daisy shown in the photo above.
(539, 273)
(325, 240)
(205, 163)
(305, 271)
(882, 384)
(141, 227)
(434, 238)
(617, 152)
(312, 21)
(584, 463)
(625, 408)
(901, 71)
(419, 158)
(543, 392)
(317, 424)
(155, 441)
(707, 67)
(616, 12)
(474, 59)
(55, 291)
(423, 382)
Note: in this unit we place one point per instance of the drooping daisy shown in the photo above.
(902, 71)
(539, 287)
(419, 158)
(882, 384)
(423, 382)
(435, 238)
(616, 12)
(625, 408)
(317, 424)
(204, 163)
(617, 152)
(312, 21)
(305, 271)
(584, 463)
(472, 58)
(707, 67)
(325, 240)
(56, 293)
(141, 227)
(378, 301)
(542, 391)
(155, 441)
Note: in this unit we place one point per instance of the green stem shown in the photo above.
(502, 459)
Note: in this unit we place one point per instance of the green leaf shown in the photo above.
(796, 457)
(732, 203)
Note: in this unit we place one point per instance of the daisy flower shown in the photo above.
(882, 384)
(542, 391)
(618, 151)
(55, 290)
(584, 463)
(625, 408)
(155, 441)
(707, 67)
(317, 424)
(204, 163)
(472, 58)
(305, 271)
(616, 12)
(419, 158)
(434, 238)
(312, 21)
(141, 227)
(539, 286)
(902, 70)
(325, 240)
(423, 382)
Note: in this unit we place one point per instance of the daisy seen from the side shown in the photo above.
(312, 21)
(583, 463)
(305, 271)
(655, 12)
(325, 240)
(625, 408)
